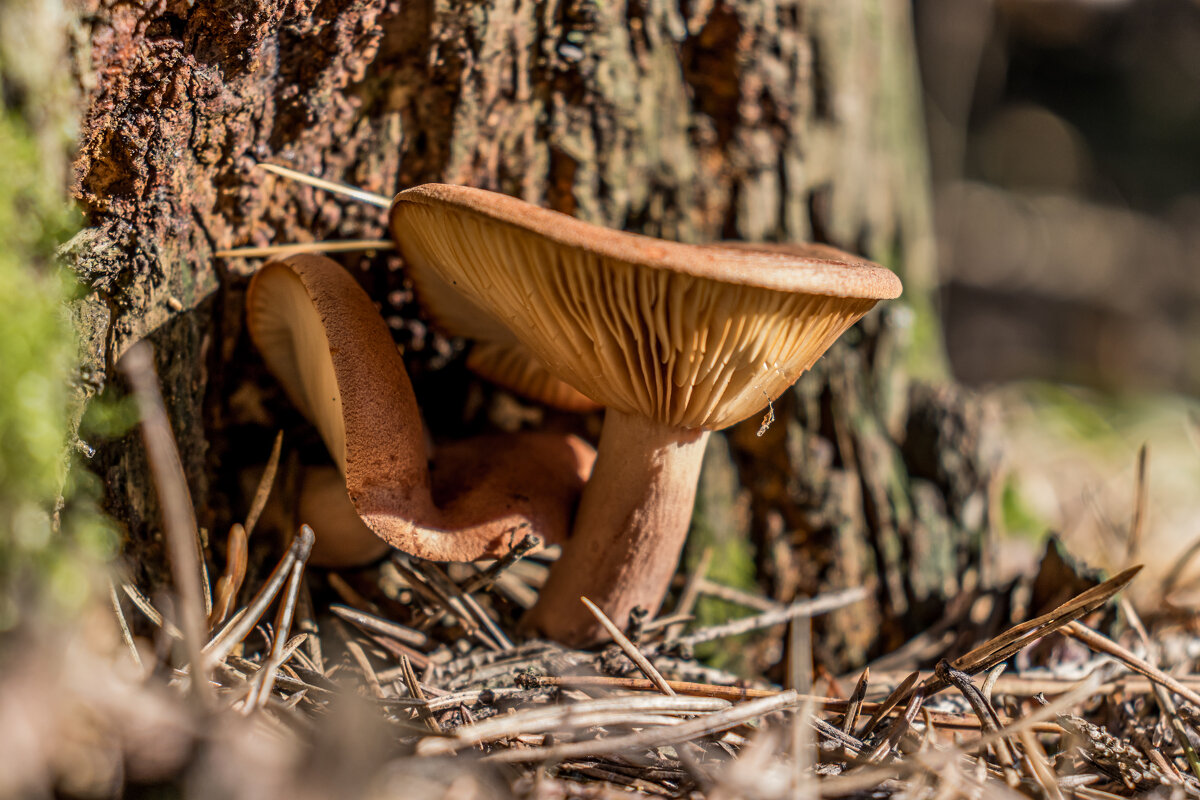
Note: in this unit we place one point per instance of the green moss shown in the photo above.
(1018, 517)
(718, 524)
(925, 357)
(1077, 413)
(47, 544)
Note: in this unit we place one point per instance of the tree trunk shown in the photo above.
(772, 121)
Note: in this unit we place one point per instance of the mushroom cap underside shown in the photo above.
(513, 367)
(693, 336)
(496, 354)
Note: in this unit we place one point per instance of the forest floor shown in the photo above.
(409, 679)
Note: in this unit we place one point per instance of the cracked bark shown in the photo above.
(706, 120)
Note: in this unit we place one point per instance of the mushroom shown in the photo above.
(496, 354)
(512, 367)
(323, 339)
(674, 340)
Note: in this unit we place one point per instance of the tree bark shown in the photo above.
(764, 121)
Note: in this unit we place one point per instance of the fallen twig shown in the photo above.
(629, 648)
(801, 608)
(179, 517)
(657, 737)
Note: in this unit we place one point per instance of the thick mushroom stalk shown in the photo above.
(629, 530)
(322, 337)
(673, 339)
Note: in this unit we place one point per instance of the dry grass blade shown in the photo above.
(854, 705)
(265, 484)
(364, 665)
(894, 699)
(629, 648)
(329, 186)
(283, 619)
(736, 596)
(485, 579)
(731, 693)
(1102, 644)
(659, 737)
(417, 693)
(205, 587)
(670, 620)
(179, 517)
(1138, 524)
(236, 556)
(398, 650)
(916, 700)
(801, 608)
(126, 634)
(244, 621)
(308, 624)
(284, 250)
(989, 683)
(486, 621)
(1040, 766)
(143, 604)
(374, 624)
(561, 717)
(998, 649)
(849, 744)
(573, 721)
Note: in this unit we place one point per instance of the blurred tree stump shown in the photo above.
(697, 121)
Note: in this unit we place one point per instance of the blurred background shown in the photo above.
(1065, 152)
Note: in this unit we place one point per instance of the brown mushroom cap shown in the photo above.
(322, 337)
(693, 336)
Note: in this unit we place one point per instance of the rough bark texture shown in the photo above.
(753, 120)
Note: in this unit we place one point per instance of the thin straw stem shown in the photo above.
(282, 250)
(283, 622)
(242, 623)
(629, 648)
(329, 186)
(179, 517)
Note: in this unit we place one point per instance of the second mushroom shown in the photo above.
(326, 343)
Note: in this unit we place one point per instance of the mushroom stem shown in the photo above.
(629, 530)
